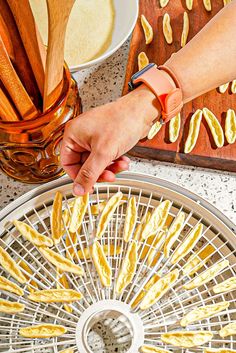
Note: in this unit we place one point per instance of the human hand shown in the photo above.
(94, 143)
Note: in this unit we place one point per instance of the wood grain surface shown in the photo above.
(205, 153)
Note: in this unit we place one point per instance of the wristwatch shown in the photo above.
(165, 87)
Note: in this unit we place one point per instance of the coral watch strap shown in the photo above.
(166, 89)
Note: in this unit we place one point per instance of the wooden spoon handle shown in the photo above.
(58, 17)
(7, 112)
(31, 38)
(14, 86)
(21, 62)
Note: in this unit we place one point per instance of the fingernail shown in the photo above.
(78, 190)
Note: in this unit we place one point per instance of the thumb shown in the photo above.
(90, 172)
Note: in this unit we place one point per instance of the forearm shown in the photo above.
(209, 59)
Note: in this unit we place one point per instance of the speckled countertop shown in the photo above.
(103, 83)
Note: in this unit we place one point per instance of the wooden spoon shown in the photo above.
(58, 15)
(7, 112)
(14, 87)
(31, 38)
(20, 61)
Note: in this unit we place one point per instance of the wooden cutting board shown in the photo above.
(205, 153)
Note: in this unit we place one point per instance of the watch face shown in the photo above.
(139, 73)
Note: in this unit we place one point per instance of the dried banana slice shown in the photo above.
(109, 250)
(11, 307)
(188, 244)
(156, 127)
(198, 260)
(157, 243)
(130, 219)
(189, 4)
(233, 87)
(56, 219)
(173, 233)
(71, 241)
(228, 330)
(207, 275)
(55, 296)
(223, 88)
(164, 3)
(226, 2)
(203, 313)
(107, 213)
(63, 281)
(128, 268)
(11, 267)
(147, 29)
(78, 212)
(61, 263)
(139, 229)
(157, 220)
(174, 128)
(215, 127)
(193, 133)
(97, 208)
(147, 286)
(152, 349)
(42, 331)
(220, 350)
(27, 269)
(230, 126)
(207, 4)
(226, 286)
(159, 289)
(187, 339)
(102, 265)
(32, 235)
(143, 60)
(9, 286)
(185, 32)
(167, 29)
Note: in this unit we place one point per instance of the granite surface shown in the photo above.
(102, 84)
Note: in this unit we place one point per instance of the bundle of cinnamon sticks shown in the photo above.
(28, 86)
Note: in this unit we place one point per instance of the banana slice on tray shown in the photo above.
(225, 286)
(79, 209)
(32, 235)
(203, 313)
(8, 286)
(233, 87)
(140, 227)
(215, 127)
(147, 29)
(157, 220)
(11, 267)
(167, 29)
(228, 330)
(198, 260)
(130, 219)
(61, 263)
(9, 307)
(207, 5)
(189, 4)
(187, 339)
(160, 288)
(101, 264)
(207, 275)
(32, 282)
(128, 268)
(143, 60)
(173, 233)
(156, 127)
(188, 244)
(164, 3)
(56, 219)
(42, 331)
(223, 88)
(107, 213)
(147, 286)
(55, 296)
(194, 129)
(152, 349)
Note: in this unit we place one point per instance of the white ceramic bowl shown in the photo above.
(125, 19)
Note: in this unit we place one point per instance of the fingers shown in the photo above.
(90, 171)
